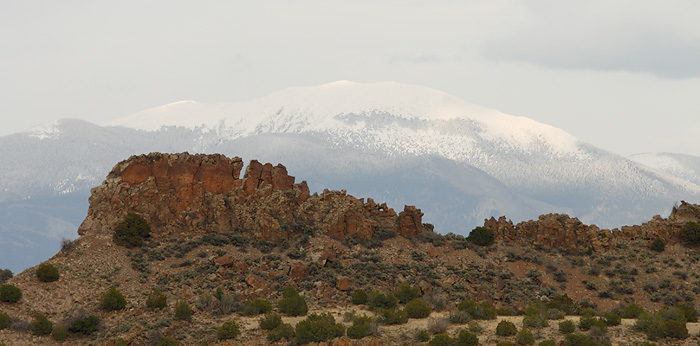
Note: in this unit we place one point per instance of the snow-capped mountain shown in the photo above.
(397, 143)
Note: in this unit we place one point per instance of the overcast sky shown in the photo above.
(622, 75)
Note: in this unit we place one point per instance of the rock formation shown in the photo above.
(557, 230)
(200, 193)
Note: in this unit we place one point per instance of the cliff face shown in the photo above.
(557, 230)
(199, 193)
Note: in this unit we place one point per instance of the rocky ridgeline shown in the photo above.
(559, 230)
(184, 193)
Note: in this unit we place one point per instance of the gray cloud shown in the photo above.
(627, 36)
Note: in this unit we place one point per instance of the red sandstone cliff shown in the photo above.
(199, 193)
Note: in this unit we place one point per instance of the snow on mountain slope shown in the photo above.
(680, 166)
(346, 107)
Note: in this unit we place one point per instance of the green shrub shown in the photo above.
(481, 236)
(442, 340)
(690, 233)
(156, 300)
(167, 341)
(292, 303)
(465, 338)
(183, 311)
(612, 319)
(47, 272)
(506, 328)
(256, 307)
(84, 325)
(283, 331)
(567, 327)
(631, 311)
(5, 274)
(317, 328)
(362, 326)
(378, 300)
(564, 303)
(359, 297)
(405, 293)
(691, 314)
(422, 335)
(10, 293)
(504, 343)
(228, 330)
(480, 311)
(586, 311)
(658, 245)
(41, 325)
(587, 322)
(270, 321)
(535, 321)
(132, 231)
(417, 308)
(674, 329)
(525, 337)
(650, 324)
(579, 340)
(547, 343)
(59, 333)
(4, 320)
(393, 316)
(113, 300)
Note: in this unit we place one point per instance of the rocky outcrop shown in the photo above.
(200, 193)
(558, 230)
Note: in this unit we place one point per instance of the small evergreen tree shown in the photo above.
(567, 327)
(156, 300)
(228, 330)
(4, 320)
(362, 326)
(84, 324)
(690, 233)
(481, 236)
(465, 338)
(10, 293)
(113, 300)
(283, 331)
(270, 321)
(47, 272)
(442, 340)
(525, 337)
(41, 325)
(658, 245)
(183, 311)
(59, 333)
(318, 328)
(359, 297)
(506, 328)
(417, 308)
(132, 231)
(405, 292)
(292, 303)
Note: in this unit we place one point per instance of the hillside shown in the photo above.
(218, 239)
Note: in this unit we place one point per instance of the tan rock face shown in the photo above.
(201, 193)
